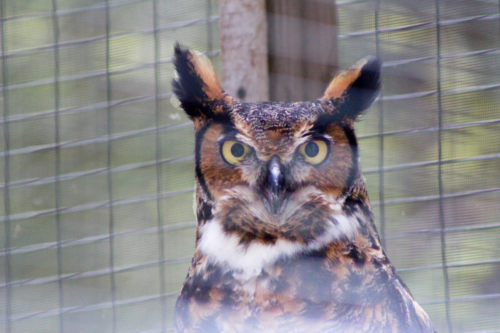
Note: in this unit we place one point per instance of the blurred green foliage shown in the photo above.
(141, 128)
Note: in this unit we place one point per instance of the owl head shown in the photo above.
(273, 172)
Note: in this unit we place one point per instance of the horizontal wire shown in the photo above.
(31, 149)
(104, 305)
(98, 306)
(66, 12)
(435, 92)
(76, 175)
(49, 47)
(420, 25)
(93, 74)
(101, 105)
(53, 80)
(94, 239)
(74, 77)
(187, 259)
(390, 64)
(431, 129)
(436, 197)
(128, 167)
(104, 204)
(454, 265)
(93, 205)
(100, 73)
(126, 135)
(29, 51)
(95, 273)
(50, 113)
(451, 56)
(158, 330)
(446, 230)
(101, 139)
(81, 109)
(462, 299)
(428, 163)
(350, 2)
(186, 225)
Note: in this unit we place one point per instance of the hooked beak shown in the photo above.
(275, 184)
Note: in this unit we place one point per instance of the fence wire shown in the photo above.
(97, 167)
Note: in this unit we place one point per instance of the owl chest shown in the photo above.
(310, 294)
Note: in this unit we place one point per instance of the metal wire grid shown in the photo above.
(446, 317)
(110, 138)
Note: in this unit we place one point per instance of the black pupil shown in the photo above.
(312, 149)
(237, 150)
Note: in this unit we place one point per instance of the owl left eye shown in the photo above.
(234, 152)
(314, 152)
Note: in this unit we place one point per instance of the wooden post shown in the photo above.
(243, 32)
(302, 39)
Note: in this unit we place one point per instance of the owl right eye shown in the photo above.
(234, 152)
(314, 152)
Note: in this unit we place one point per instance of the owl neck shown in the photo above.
(358, 204)
(252, 248)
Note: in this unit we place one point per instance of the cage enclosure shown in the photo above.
(97, 227)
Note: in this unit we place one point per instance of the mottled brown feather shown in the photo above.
(314, 265)
(206, 72)
(342, 81)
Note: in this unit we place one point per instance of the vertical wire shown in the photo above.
(109, 174)
(209, 26)
(6, 223)
(440, 174)
(161, 235)
(381, 184)
(57, 184)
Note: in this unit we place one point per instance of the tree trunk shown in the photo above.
(243, 31)
(302, 39)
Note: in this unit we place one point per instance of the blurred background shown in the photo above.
(97, 173)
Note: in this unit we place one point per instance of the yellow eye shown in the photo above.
(314, 152)
(234, 152)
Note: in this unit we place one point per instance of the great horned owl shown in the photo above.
(286, 240)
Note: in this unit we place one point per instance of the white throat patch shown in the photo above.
(225, 249)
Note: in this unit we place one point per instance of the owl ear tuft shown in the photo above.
(197, 85)
(355, 89)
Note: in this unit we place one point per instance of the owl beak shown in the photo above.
(275, 182)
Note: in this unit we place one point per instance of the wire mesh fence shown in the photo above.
(97, 227)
